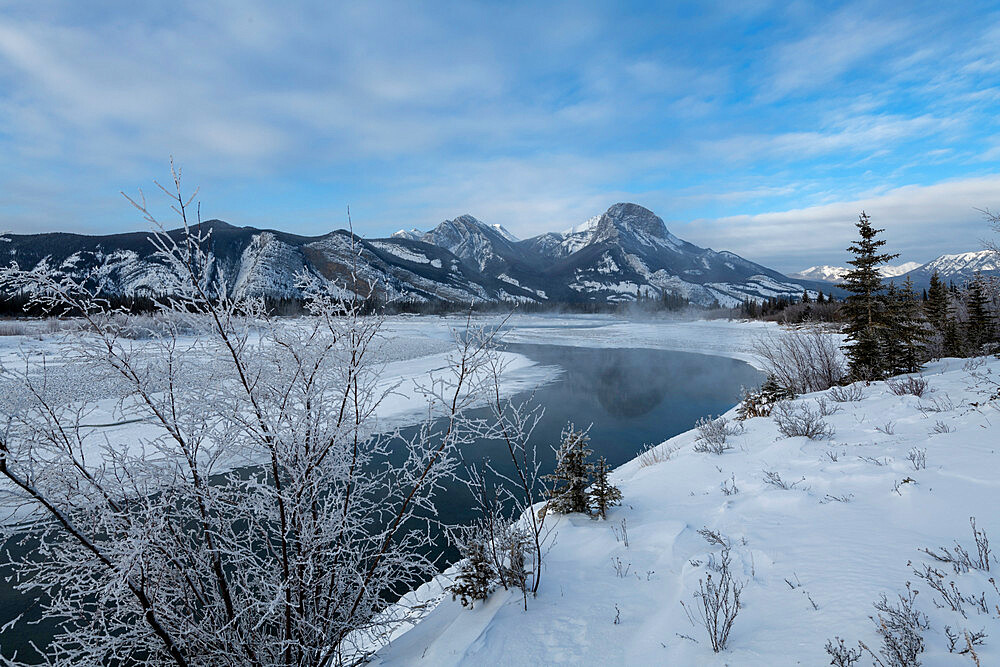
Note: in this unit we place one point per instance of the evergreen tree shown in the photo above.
(603, 494)
(952, 336)
(572, 475)
(805, 296)
(936, 307)
(908, 332)
(476, 576)
(819, 298)
(863, 310)
(978, 330)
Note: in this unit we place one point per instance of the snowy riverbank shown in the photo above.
(814, 557)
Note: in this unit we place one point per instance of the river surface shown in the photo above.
(628, 398)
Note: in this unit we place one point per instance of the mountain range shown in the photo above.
(958, 267)
(620, 255)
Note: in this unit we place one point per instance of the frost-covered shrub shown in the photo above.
(841, 654)
(798, 419)
(914, 386)
(850, 393)
(717, 603)
(805, 360)
(712, 434)
(760, 402)
(653, 454)
(901, 629)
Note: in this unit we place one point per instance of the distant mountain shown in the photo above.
(620, 255)
(900, 270)
(833, 274)
(958, 268)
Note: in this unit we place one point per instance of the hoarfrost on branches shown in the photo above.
(258, 516)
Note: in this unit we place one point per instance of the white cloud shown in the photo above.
(920, 222)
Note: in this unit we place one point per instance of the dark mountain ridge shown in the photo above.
(625, 253)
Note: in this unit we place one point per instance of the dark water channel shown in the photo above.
(627, 397)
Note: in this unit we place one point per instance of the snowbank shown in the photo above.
(814, 557)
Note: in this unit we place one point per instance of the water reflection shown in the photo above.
(628, 397)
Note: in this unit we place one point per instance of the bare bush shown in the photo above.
(850, 393)
(900, 627)
(729, 487)
(717, 603)
(712, 434)
(888, 428)
(798, 419)
(942, 427)
(960, 559)
(917, 458)
(912, 385)
(774, 479)
(971, 640)
(841, 654)
(805, 360)
(937, 404)
(826, 408)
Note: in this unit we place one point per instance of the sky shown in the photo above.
(763, 128)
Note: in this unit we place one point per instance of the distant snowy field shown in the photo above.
(814, 557)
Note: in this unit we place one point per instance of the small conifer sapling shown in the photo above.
(572, 475)
(476, 575)
(603, 494)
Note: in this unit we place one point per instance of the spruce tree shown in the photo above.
(603, 494)
(863, 309)
(572, 475)
(909, 334)
(978, 330)
(936, 307)
(891, 354)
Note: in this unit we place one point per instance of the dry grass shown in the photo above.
(653, 454)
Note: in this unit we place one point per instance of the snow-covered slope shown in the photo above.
(860, 509)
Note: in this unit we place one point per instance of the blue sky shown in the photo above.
(762, 128)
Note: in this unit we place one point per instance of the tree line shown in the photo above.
(891, 329)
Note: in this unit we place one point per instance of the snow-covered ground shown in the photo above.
(813, 557)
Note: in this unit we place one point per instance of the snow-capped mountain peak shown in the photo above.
(502, 231)
(586, 226)
(965, 263)
(899, 270)
(957, 267)
(410, 234)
